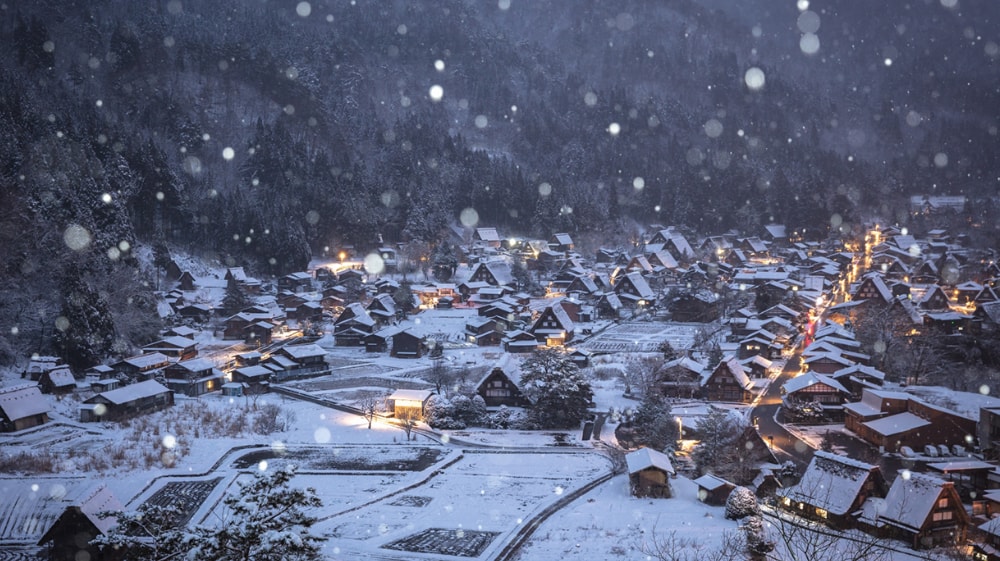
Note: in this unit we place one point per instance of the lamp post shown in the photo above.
(680, 431)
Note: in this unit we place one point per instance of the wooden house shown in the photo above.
(681, 377)
(382, 309)
(307, 359)
(22, 407)
(141, 367)
(195, 312)
(701, 306)
(259, 333)
(608, 306)
(352, 326)
(408, 404)
(934, 299)
(59, 380)
(815, 396)
(553, 327)
(634, 289)
(519, 341)
(70, 535)
(986, 543)
(826, 362)
(486, 237)
(134, 399)
(300, 281)
(381, 340)
(919, 509)
(833, 489)
(177, 348)
(728, 382)
(873, 289)
(186, 281)
(562, 243)
(493, 273)
(501, 384)
(713, 490)
(649, 473)
(483, 331)
(39, 365)
(406, 344)
(193, 377)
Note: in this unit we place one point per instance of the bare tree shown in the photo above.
(407, 420)
(370, 406)
(798, 540)
(440, 375)
(672, 547)
(642, 374)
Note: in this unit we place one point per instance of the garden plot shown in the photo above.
(465, 508)
(461, 543)
(644, 337)
(186, 496)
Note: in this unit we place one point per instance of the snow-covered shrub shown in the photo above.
(742, 502)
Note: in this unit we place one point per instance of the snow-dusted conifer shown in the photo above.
(741, 503)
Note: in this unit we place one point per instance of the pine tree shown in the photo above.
(444, 262)
(267, 521)
(559, 394)
(741, 503)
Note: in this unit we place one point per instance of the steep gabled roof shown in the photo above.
(909, 502)
(831, 482)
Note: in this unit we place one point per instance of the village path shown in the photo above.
(785, 445)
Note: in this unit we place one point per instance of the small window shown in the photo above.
(942, 516)
(822, 513)
(942, 502)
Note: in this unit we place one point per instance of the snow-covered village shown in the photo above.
(499, 280)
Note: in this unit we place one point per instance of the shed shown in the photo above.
(713, 490)
(409, 403)
(22, 407)
(143, 397)
(649, 473)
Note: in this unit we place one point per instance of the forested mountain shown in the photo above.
(265, 131)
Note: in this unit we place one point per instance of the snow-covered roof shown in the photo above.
(860, 371)
(196, 365)
(23, 401)
(253, 371)
(711, 482)
(897, 424)
(148, 360)
(643, 458)
(61, 377)
(831, 482)
(132, 392)
(811, 379)
(303, 351)
(173, 342)
(101, 500)
(909, 501)
(411, 395)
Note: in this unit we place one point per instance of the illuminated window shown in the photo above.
(821, 512)
(942, 516)
(942, 503)
(786, 501)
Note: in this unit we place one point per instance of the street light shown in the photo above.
(680, 429)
